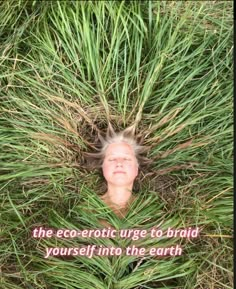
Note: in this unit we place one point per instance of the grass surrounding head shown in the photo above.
(67, 69)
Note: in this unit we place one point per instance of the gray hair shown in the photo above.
(95, 160)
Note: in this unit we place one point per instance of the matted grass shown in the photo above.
(67, 68)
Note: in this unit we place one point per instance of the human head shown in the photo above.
(120, 165)
(95, 160)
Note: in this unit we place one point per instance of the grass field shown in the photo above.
(67, 69)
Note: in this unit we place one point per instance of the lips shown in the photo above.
(119, 172)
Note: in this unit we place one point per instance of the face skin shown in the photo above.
(120, 166)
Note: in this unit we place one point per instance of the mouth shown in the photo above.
(119, 172)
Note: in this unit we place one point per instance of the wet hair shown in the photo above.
(95, 160)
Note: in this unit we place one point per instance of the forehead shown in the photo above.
(119, 148)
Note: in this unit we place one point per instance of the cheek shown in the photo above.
(134, 170)
(106, 169)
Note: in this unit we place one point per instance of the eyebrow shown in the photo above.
(117, 154)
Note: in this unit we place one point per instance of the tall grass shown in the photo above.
(67, 68)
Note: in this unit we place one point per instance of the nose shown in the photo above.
(119, 162)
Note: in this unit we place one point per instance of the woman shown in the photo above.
(120, 159)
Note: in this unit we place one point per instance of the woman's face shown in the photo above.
(120, 166)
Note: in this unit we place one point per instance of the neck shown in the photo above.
(119, 195)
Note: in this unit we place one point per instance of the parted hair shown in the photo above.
(95, 160)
